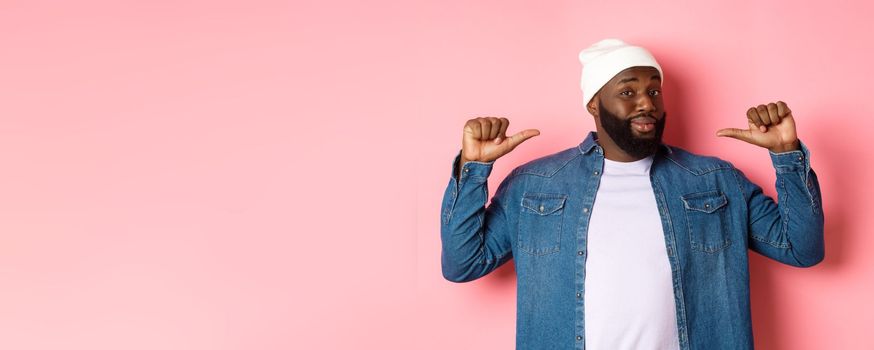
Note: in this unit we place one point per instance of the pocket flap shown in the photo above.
(543, 203)
(706, 202)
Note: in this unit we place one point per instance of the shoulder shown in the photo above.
(549, 165)
(694, 163)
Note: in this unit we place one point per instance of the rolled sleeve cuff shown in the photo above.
(792, 161)
(472, 168)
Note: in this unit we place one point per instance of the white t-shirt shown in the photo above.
(629, 299)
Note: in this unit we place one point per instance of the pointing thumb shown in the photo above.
(521, 136)
(740, 134)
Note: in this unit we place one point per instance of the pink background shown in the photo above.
(217, 175)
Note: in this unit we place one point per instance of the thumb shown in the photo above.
(740, 134)
(521, 136)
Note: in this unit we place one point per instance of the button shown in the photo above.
(800, 158)
(596, 172)
(579, 295)
(707, 205)
(541, 208)
(579, 337)
(585, 210)
(580, 252)
(466, 169)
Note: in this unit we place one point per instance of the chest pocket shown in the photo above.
(540, 222)
(707, 219)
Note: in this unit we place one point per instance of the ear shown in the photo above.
(593, 106)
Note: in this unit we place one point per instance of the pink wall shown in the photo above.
(214, 175)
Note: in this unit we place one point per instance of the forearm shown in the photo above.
(472, 235)
(798, 197)
(792, 230)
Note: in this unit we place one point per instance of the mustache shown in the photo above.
(651, 116)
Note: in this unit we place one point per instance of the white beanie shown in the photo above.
(606, 58)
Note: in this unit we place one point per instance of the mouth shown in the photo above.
(643, 124)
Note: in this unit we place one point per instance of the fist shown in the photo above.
(485, 139)
(770, 126)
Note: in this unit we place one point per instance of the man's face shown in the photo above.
(631, 110)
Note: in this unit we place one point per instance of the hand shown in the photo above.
(485, 139)
(771, 127)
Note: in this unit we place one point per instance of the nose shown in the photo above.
(645, 104)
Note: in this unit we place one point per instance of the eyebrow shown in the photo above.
(654, 77)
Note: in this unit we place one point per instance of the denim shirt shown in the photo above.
(711, 215)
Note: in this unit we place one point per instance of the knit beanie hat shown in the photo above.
(606, 58)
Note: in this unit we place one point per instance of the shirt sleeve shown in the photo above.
(475, 238)
(790, 230)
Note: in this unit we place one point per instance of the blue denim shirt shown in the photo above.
(711, 215)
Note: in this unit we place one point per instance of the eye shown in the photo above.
(654, 92)
(626, 93)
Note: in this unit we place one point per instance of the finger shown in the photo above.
(754, 120)
(475, 128)
(740, 134)
(762, 111)
(495, 127)
(485, 126)
(502, 133)
(521, 136)
(772, 113)
(753, 117)
(468, 128)
(782, 109)
(752, 126)
(762, 115)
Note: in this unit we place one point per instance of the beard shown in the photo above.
(623, 135)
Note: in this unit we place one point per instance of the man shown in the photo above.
(624, 242)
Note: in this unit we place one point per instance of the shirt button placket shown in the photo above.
(582, 253)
